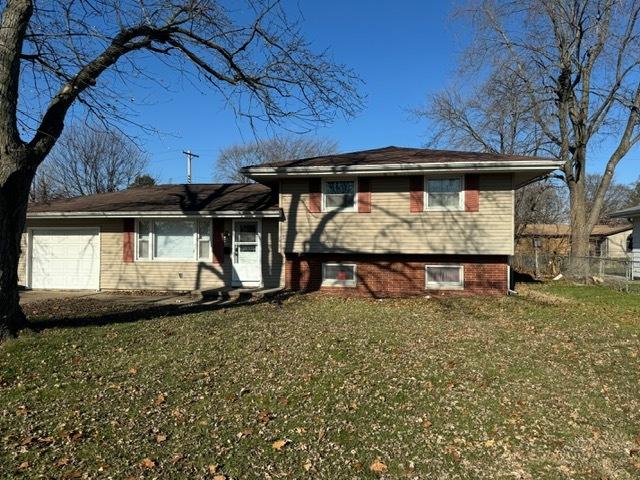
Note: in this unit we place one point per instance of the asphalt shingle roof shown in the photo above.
(168, 198)
(396, 155)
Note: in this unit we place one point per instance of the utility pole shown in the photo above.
(189, 157)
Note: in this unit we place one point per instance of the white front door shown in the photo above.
(246, 258)
(65, 258)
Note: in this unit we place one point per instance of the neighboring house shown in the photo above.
(385, 222)
(554, 239)
(633, 215)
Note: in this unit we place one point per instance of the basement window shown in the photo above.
(338, 275)
(444, 277)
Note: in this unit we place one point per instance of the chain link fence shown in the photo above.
(550, 266)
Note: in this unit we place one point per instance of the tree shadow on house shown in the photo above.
(313, 238)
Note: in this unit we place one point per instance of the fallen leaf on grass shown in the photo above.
(280, 444)
(62, 462)
(160, 399)
(73, 435)
(133, 371)
(307, 466)
(23, 466)
(378, 467)
(161, 438)
(264, 417)
(72, 474)
(426, 424)
(455, 454)
(148, 463)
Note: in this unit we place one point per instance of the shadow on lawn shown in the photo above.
(133, 314)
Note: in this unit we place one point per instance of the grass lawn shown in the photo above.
(542, 385)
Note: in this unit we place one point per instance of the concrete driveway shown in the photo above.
(32, 296)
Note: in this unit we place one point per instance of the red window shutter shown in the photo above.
(364, 195)
(128, 242)
(315, 195)
(416, 194)
(472, 193)
(218, 241)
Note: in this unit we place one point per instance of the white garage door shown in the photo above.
(66, 258)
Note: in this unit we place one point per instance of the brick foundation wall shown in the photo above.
(397, 275)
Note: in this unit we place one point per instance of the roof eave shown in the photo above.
(405, 169)
(627, 213)
(158, 214)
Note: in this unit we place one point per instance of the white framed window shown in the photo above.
(339, 195)
(173, 239)
(445, 277)
(444, 193)
(339, 275)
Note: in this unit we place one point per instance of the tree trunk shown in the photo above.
(580, 230)
(15, 183)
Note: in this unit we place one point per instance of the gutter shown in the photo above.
(159, 214)
(403, 169)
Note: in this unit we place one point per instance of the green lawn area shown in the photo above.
(541, 385)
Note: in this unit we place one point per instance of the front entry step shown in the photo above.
(230, 294)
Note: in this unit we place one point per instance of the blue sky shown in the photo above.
(403, 50)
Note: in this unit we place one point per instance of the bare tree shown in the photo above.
(496, 117)
(633, 198)
(42, 189)
(84, 53)
(233, 158)
(616, 198)
(578, 65)
(539, 202)
(86, 161)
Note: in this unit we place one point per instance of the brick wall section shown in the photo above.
(397, 275)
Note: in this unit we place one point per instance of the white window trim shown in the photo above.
(355, 194)
(152, 239)
(443, 285)
(327, 282)
(443, 209)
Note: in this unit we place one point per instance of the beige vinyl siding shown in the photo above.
(617, 245)
(155, 275)
(22, 261)
(391, 228)
(272, 258)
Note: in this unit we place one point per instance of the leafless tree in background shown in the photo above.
(577, 65)
(617, 197)
(539, 202)
(86, 161)
(495, 118)
(86, 54)
(634, 194)
(233, 158)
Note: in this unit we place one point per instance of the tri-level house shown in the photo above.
(385, 222)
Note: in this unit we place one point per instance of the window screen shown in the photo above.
(439, 276)
(444, 193)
